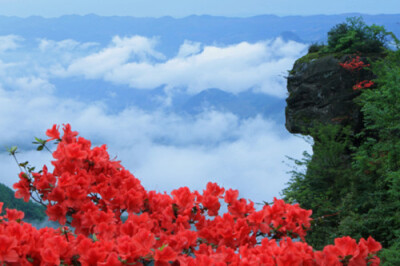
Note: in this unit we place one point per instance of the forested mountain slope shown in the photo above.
(32, 211)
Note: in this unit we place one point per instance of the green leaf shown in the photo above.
(12, 150)
(25, 176)
(23, 164)
(162, 247)
(41, 141)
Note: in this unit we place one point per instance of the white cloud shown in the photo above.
(9, 42)
(46, 45)
(121, 50)
(4, 67)
(253, 163)
(32, 84)
(260, 66)
(189, 48)
(134, 61)
(13, 76)
(164, 150)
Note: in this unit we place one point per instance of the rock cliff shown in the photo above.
(321, 92)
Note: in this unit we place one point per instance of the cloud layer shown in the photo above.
(260, 66)
(163, 149)
(9, 42)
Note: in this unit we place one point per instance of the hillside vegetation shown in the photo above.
(352, 180)
(32, 211)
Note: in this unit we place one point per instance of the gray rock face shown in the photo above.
(321, 92)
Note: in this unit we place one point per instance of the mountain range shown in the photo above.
(171, 33)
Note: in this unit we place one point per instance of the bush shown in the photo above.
(315, 47)
(323, 187)
(89, 192)
(355, 36)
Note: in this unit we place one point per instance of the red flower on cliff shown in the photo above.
(354, 65)
(363, 84)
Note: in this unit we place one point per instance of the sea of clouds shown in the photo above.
(165, 150)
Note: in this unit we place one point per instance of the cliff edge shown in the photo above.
(321, 92)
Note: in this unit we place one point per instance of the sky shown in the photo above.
(181, 8)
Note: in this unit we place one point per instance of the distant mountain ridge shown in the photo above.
(245, 104)
(173, 31)
(171, 34)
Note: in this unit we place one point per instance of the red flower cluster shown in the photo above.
(363, 84)
(354, 65)
(90, 192)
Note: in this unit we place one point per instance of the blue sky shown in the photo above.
(180, 8)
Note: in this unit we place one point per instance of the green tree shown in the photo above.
(324, 184)
(355, 36)
(377, 160)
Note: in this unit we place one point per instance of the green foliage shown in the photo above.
(377, 160)
(32, 211)
(352, 183)
(315, 47)
(355, 36)
(325, 183)
(351, 37)
(309, 57)
(390, 256)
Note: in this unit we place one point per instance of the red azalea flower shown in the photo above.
(23, 187)
(53, 133)
(57, 213)
(14, 215)
(372, 244)
(165, 254)
(95, 191)
(112, 260)
(231, 196)
(354, 65)
(7, 249)
(49, 255)
(363, 84)
(183, 197)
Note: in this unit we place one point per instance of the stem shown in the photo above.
(66, 235)
(39, 201)
(15, 158)
(44, 145)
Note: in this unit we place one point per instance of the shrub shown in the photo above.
(89, 191)
(355, 36)
(315, 47)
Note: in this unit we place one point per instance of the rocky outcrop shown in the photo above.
(321, 92)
